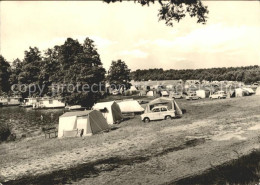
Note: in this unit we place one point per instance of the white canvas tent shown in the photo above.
(201, 93)
(132, 88)
(130, 106)
(110, 110)
(169, 102)
(257, 92)
(164, 94)
(150, 93)
(249, 90)
(238, 92)
(142, 93)
(72, 124)
(169, 86)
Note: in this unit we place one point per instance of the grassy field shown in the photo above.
(210, 133)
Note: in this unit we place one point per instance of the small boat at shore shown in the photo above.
(29, 102)
(10, 101)
(49, 103)
(75, 107)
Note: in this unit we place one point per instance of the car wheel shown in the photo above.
(168, 117)
(146, 120)
(219, 97)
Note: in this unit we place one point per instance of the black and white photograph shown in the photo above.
(130, 92)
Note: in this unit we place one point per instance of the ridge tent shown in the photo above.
(150, 93)
(72, 124)
(239, 92)
(171, 104)
(257, 92)
(201, 93)
(132, 88)
(130, 106)
(110, 110)
(249, 90)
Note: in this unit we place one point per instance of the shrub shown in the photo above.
(5, 132)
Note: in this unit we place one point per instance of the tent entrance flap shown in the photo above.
(81, 124)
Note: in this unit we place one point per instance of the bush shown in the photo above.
(5, 132)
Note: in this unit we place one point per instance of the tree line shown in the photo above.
(53, 70)
(248, 74)
(80, 64)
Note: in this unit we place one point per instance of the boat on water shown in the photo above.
(49, 103)
(10, 101)
(75, 107)
(29, 102)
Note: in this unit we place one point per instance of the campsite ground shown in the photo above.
(210, 133)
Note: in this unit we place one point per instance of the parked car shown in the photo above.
(158, 113)
(192, 96)
(218, 95)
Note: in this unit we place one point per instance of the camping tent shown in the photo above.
(257, 92)
(150, 93)
(249, 90)
(110, 110)
(169, 86)
(142, 93)
(239, 92)
(81, 122)
(201, 93)
(130, 106)
(132, 88)
(171, 104)
(164, 94)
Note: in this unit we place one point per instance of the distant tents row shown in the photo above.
(238, 92)
(85, 123)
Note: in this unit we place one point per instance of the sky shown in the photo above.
(132, 33)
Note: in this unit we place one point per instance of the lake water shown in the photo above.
(28, 121)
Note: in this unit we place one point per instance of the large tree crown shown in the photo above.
(175, 10)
